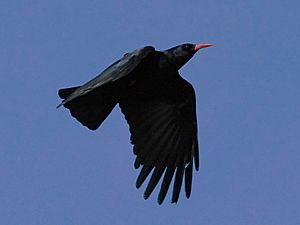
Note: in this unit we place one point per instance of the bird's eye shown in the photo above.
(186, 47)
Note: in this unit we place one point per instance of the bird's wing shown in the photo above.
(117, 70)
(163, 130)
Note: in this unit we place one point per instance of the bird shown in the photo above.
(159, 107)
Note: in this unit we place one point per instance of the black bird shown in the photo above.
(159, 106)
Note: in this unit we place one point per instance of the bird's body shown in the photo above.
(159, 106)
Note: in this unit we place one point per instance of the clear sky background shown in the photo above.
(53, 171)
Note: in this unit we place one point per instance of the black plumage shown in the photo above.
(159, 106)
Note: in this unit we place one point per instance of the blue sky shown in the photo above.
(55, 171)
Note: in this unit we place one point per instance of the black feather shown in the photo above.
(159, 145)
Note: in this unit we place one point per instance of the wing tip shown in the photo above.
(174, 201)
(160, 201)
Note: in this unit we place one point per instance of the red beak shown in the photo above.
(199, 46)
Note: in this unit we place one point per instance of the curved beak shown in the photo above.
(199, 46)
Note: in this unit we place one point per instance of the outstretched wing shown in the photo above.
(114, 72)
(163, 128)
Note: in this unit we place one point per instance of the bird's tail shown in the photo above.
(65, 92)
(92, 108)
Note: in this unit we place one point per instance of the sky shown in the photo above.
(55, 171)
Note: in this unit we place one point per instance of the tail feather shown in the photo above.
(92, 108)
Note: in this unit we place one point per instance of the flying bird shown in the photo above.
(160, 109)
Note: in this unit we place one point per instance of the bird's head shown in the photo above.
(181, 54)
